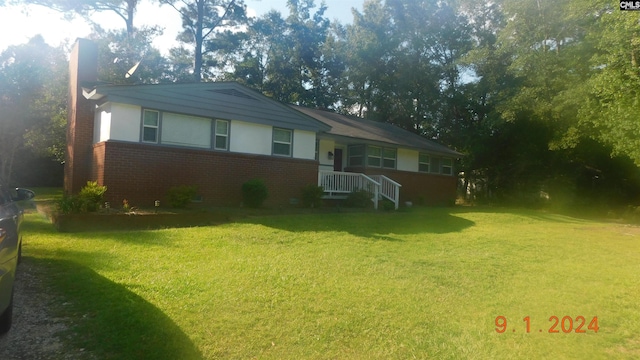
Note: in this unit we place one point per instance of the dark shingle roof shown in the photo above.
(232, 101)
(222, 100)
(358, 128)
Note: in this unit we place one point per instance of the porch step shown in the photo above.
(339, 184)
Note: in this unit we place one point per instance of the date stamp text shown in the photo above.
(566, 324)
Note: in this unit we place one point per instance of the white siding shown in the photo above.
(183, 130)
(115, 121)
(102, 123)
(250, 138)
(407, 160)
(304, 144)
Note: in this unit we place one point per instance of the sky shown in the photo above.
(19, 24)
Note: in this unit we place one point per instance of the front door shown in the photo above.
(337, 159)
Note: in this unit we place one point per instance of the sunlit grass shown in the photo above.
(427, 283)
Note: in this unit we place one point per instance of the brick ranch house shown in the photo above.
(141, 140)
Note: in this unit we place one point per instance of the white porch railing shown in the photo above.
(342, 183)
(388, 188)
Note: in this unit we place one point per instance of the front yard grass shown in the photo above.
(425, 283)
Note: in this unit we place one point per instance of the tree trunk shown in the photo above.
(197, 66)
(131, 8)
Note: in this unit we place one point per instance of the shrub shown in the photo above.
(69, 204)
(359, 199)
(254, 193)
(312, 196)
(181, 196)
(89, 199)
(387, 205)
(92, 196)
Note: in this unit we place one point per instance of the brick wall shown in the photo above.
(419, 188)
(83, 68)
(143, 173)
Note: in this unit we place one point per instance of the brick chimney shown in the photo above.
(83, 70)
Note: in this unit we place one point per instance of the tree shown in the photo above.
(124, 9)
(294, 59)
(368, 61)
(130, 59)
(33, 102)
(548, 113)
(403, 67)
(611, 96)
(202, 20)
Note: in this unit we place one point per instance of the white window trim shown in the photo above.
(443, 166)
(226, 135)
(428, 163)
(157, 127)
(394, 158)
(369, 156)
(361, 156)
(274, 142)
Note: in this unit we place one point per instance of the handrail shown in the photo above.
(337, 182)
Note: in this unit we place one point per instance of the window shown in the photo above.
(423, 163)
(185, 130)
(282, 142)
(317, 150)
(374, 156)
(447, 166)
(389, 158)
(435, 165)
(356, 155)
(222, 135)
(150, 126)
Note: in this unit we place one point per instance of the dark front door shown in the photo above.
(337, 159)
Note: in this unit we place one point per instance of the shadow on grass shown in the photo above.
(110, 321)
(375, 225)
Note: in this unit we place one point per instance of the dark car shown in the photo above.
(11, 215)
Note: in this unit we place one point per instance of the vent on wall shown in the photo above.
(234, 92)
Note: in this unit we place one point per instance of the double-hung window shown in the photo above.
(222, 135)
(423, 163)
(389, 158)
(150, 126)
(282, 140)
(435, 165)
(447, 166)
(381, 157)
(374, 156)
(356, 155)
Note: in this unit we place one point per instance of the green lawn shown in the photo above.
(425, 283)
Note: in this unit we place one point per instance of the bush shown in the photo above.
(387, 205)
(181, 196)
(92, 196)
(69, 204)
(312, 196)
(359, 199)
(89, 199)
(254, 193)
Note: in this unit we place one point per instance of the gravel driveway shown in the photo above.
(36, 333)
